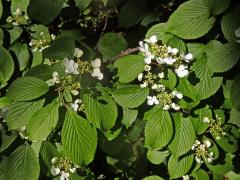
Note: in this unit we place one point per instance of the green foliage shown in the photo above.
(79, 138)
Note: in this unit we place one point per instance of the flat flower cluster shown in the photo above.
(215, 127)
(165, 56)
(202, 151)
(62, 167)
(68, 82)
(18, 18)
(42, 43)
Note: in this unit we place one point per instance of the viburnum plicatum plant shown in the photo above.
(110, 89)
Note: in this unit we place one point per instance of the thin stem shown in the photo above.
(124, 53)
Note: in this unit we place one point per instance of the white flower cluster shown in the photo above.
(215, 127)
(96, 64)
(18, 18)
(76, 104)
(186, 177)
(202, 152)
(165, 56)
(42, 43)
(62, 167)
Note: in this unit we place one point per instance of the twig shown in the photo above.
(124, 53)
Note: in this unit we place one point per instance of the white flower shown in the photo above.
(140, 77)
(177, 94)
(206, 120)
(166, 107)
(175, 106)
(193, 147)
(188, 57)
(198, 160)
(209, 159)
(144, 48)
(169, 60)
(76, 103)
(54, 160)
(155, 100)
(74, 92)
(150, 101)
(154, 86)
(186, 177)
(73, 170)
(53, 36)
(71, 66)
(181, 71)
(152, 39)
(143, 85)
(97, 73)
(148, 60)
(160, 60)
(147, 68)
(64, 175)
(161, 75)
(17, 12)
(173, 51)
(207, 143)
(55, 78)
(96, 63)
(78, 52)
(55, 170)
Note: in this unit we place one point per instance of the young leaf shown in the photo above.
(191, 20)
(23, 164)
(79, 138)
(45, 11)
(102, 112)
(129, 67)
(159, 128)
(157, 157)
(43, 122)
(108, 47)
(27, 88)
(20, 112)
(6, 65)
(130, 96)
(184, 136)
(178, 167)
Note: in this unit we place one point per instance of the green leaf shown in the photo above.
(150, 18)
(184, 136)
(82, 4)
(158, 30)
(234, 117)
(43, 122)
(20, 113)
(130, 96)
(234, 92)
(79, 138)
(62, 47)
(131, 13)
(222, 167)
(1, 33)
(159, 128)
(22, 54)
(44, 11)
(129, 67)
(191, 20)
(200, 174)
(208, 84)
(41, 71)
(129, 116)
(230, 23)
(21, 4)
(15, 33)
(102, 112)
(196, 49)
(199, 126)
(178, 167)
(23, 164)
(47, 152)
(217, 7)
(4, 101)
(224, 57)
(27, 88)
(177, 43)
(157, 157)
(6, 65)
(7, 140)
(1, 9)
(153, 177)
(108, 47)
(170, 79)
